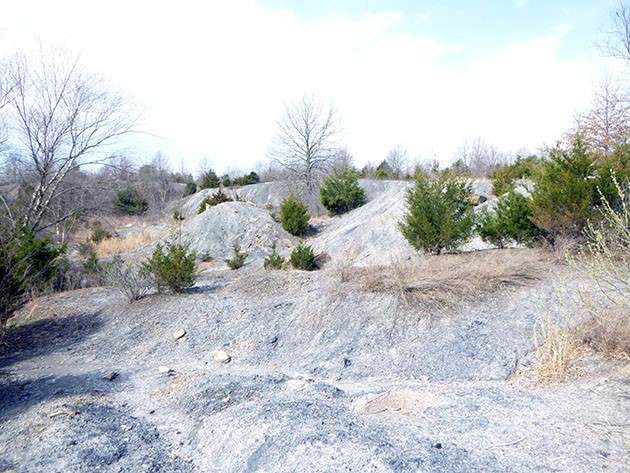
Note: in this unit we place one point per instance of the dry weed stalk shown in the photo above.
(443, 282)
(555, 348)
(343, 264)
(605, 259)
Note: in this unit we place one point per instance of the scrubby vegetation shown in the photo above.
(566, 196)
(209, 180)
(509, 222)
(172, 267)
(503, 178)
(130, 281)
(605, 259)
(99, 234)
(189, 189)
(341, 191)
(294, 215)
(440, 216)
(130, 202)
(215, 199)
(303, 257)
(28, 265)
(238, 260)
(274, 260)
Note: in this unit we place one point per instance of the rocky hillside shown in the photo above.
(377, 362)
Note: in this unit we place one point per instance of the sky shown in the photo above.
(214, 76)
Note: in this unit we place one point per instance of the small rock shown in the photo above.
(437, 445)
(295, 384)
(221, 357)
(111, 376)
(165, 369)
(477, 199)
(347, 362)
(180, 333)
(273, 340)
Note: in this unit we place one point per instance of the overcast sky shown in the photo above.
(214, 76)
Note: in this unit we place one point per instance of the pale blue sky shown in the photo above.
(214, 75)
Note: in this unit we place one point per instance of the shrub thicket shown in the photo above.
(510, 222)
(171, 268)
(209, 180)
(27, 265)
(303, 257)
(383, 171)
(613, 170)
(99, 234)
(247, 179)
(341, 192)
(217, 198)
(566, 196)
(130, 202)
(238, 260)
(439, 216)
(189, 189)
(504, 177)
(294, 215)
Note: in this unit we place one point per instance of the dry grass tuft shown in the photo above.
(443, 282)
(344, 264)
(556, 349)
(608, 329)
(130, 242)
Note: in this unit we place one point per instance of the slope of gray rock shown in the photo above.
(321, 373)
(216, 230)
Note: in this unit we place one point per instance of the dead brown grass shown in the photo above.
(111, 223)
(134, 240)
(608, 330)
(442, 282)
(556, 348)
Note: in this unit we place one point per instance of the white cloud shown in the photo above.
(215, 75)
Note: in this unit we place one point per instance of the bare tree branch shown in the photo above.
(606, 124)
(62, 118)
(398, 160)
(617, 42)
(304, 143)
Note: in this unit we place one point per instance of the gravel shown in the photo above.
(323, 375)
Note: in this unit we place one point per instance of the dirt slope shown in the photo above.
(379, 368)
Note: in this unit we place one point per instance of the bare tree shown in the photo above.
(478, 157)
(60, 118)
(617, 41)
(304, 143)
(341, 160)
(607, 123)
(153, 180)
(398, 160)
(5, 89)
